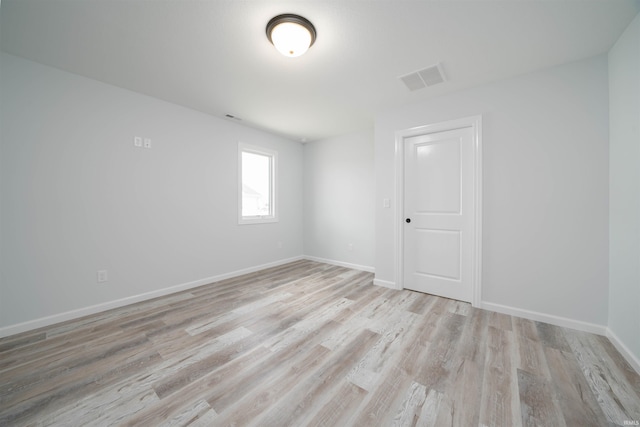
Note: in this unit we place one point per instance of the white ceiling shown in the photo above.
(213, 55)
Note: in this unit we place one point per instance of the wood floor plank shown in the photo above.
(578, 406)
(630, 375)
(172, 405)
(430, 409)
(71, 370)
(614, 394)
(129, 397)
(398, 374)
(311, 395)
(311, 344)
(438, 364)
(368, 370)
(21, 340)
(275, 387)
(242, 380)
(537, 401)
(473, 340)
(25, 409)
(408, 412)
(552, 336)
(498, 387)
(500, 321)
(460, 405)
(530, 350)
(381, 405)
(340, 407)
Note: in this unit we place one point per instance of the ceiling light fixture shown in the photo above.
(291, 34)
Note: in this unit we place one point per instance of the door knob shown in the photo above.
(408, 220)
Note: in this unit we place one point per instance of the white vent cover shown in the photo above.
(429, 76)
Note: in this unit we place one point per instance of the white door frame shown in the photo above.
(475, 123)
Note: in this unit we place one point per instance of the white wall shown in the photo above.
(339, 193)
(624, 190)
(545, 189)
(77, 197)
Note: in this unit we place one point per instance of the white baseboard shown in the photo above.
(633, 360)
(385, 284)
(340, 263)
(85, 311)
(546, 318)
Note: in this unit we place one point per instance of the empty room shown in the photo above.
(320, 213)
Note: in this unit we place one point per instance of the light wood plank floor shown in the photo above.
(309, 344)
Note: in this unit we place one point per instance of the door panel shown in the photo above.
(437, 177)
(438, 253)
(438, 201)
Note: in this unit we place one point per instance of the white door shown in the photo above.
(439, 213)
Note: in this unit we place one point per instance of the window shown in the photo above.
(256, 184)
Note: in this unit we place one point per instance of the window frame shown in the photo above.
(273, 199)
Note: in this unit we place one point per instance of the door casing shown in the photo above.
(475, 123)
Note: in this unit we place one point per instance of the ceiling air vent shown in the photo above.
(429, 76)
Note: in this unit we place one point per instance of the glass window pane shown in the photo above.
(256, 184)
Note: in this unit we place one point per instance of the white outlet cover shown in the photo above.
(102, 276)
(137, 141)
(147, 143)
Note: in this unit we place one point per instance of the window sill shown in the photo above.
(257, 220)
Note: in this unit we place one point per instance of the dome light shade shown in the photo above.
(291, 34)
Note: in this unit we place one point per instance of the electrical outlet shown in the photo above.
(147, 143)
(350, 247)
(137, 141)
(102, 276)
